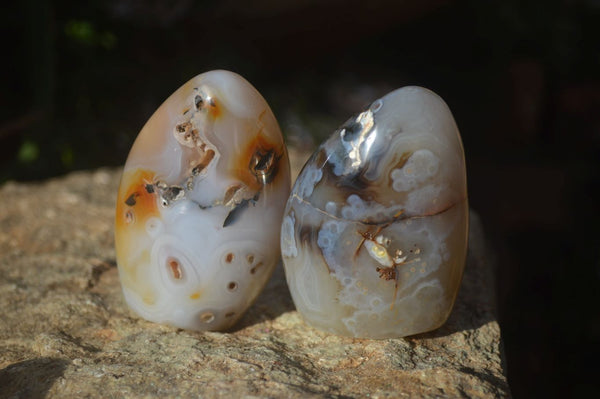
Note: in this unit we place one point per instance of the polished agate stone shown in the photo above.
(374, 235)
(200, 205)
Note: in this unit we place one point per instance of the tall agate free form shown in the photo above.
(200, 205)
(374, 235)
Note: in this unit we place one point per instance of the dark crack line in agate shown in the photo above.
(203, 207)
(400, 217)
(237, 210)
(170, 194)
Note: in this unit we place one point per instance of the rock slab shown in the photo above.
(65, 330)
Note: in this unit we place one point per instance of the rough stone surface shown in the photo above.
(65, 330)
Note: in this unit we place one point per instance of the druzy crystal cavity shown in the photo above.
(200, 205)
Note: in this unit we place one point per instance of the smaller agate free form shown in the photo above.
(200, 205)
(374, 235)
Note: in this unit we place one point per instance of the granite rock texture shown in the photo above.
(65, 330)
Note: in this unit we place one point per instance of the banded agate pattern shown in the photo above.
(200, 205)
(374, 234)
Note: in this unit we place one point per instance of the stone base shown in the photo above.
(65, 330)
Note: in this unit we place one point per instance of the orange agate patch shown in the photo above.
(257, 163)
(215, 110)
(137, 199)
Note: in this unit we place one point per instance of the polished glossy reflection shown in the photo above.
(200, 205)
(374, 234)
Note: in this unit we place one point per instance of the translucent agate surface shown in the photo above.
(200, 205)
(374, 234)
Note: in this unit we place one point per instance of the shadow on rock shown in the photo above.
(475, 304)
(486, 376)
(274, 301)
(31, 378)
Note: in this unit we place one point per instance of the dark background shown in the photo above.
(79, 79)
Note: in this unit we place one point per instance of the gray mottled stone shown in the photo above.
(66, 332)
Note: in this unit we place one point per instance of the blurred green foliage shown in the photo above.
(29, 152)
(84, 33)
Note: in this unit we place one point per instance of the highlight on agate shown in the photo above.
(200, 205)
(374, 235)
